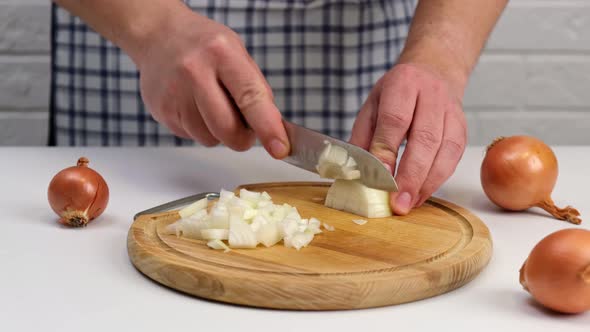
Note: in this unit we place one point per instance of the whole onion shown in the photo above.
(78, 194)
(520, 172)
(557, 271)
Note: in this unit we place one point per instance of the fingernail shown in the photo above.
(403, 202)
(277, 148)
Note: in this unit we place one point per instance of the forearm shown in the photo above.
(129, 23)
(448, 35)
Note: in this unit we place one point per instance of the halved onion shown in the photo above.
(354, 197)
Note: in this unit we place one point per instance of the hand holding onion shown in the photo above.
(520, 172)
(78, 194)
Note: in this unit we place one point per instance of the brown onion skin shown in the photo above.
(520, 172)
(557, 271)
(511, 170)
(78, 194)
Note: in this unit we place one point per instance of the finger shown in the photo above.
(220, 114)
(395, 114)
(194, 125)
(170, 121)
(424, 139)
(448, 156)
(364, 124)
(249, 91)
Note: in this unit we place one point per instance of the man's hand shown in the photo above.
(198, 79)
(420, 98)
(413, 102)
(196, 76)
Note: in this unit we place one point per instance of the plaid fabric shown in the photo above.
(321, 59)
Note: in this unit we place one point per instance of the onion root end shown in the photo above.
(74, 218)
(522, 278)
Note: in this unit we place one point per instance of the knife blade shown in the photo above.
(307, 145)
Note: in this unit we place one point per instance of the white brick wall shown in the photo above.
(533, 78)
(24, 71)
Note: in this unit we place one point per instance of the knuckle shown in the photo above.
(408, 181)
(220, 45)
(188, 66)
(426, 138)
(454, 149)
(230, 133)
(397, 120)
(437, 87)
(406, 70)
(250, 95)
(384, 152)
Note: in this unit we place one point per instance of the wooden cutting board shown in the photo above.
(436, 248)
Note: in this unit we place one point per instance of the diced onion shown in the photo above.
(335, 163)
(359, 221)
(214, 234)
(218, 245)
(193, 208)
(329, 227)
(244, 221)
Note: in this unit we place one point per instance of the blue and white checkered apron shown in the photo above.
(321, 58)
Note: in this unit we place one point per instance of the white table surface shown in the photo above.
(57, 279)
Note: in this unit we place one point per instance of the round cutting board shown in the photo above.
(436, 248)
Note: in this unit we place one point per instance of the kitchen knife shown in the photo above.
(307, 145)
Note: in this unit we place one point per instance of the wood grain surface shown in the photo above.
(436, 248)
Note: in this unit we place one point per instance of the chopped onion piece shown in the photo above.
(359, 221)
(298, 240)
(225, 196)
(314, 226)
(265, 196)
(214, 234)
(197, 216)
(268, 234)
(329, 227)
(244, 204)
(218, 245)
(250, 213)
(219, 216)
(172, 229)
(250, 196)
(193, 208)
(241, 234)
(289, 227)
(263, 204)
(335, 163)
